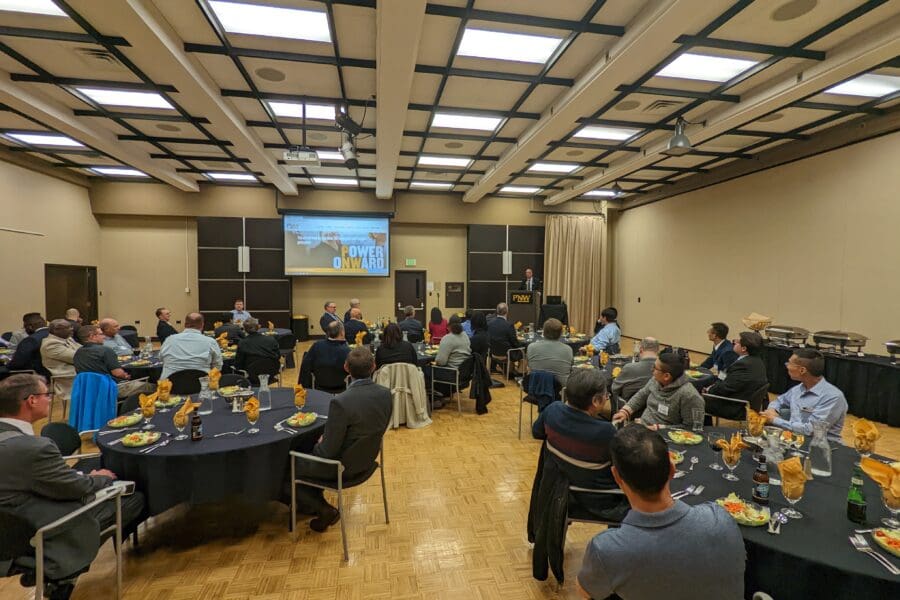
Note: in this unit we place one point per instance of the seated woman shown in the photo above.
(394, 349)
(437, 326)
(453, 352)
(480, 338)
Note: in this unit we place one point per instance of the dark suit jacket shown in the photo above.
(326, 319)
(323, 353)
(413, 328)
(164, 330)
(235, 332)
(28, 354)
(256, 345)
(721, 357)
(37, 485)
(744, 377)
(357, 420)
(535, 284)
(354, 326)
(503, 336)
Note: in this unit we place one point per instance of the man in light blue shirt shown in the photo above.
(607, 339)
(190, 349)
(239, 315)
(814, 399)
(113, 339)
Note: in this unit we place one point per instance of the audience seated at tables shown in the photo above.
(255, 346)
(74, 319)
(163, 328)
(20, 334)
(723, 350)
(411, 325)
(467, 322)
(190, 349)
(580, 440)
(664, 547)
(113, 339)
(330, 352)
(234, 330)
(28, 351)
(455, 348)
(607, 338)
(356, 325)
(58, 349)
(814, 399)
(329, 316)
(354, 303)
(479, 339)
(394, 349)
(503, 338)
(667, 399)
(437, 325)
(600, 322)
(636, 374)
(95, 357)
(747, 374)
(357, 420)
(239, 315)
(550, 354)
(37, 484)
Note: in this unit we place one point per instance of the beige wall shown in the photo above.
(59, 210)
(811, 244)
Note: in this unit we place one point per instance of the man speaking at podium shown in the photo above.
(530, 283)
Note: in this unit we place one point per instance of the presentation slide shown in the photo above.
(336, 246)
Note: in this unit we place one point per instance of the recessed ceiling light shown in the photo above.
(793, 10)
(330, 155)
(574, 152)
(445, 161)
(601, 193)
(270, 74)
(627, 105)
(543, 167)
(518, 189)
(334, 181)
(432, 185)
(168, 127)
(456, 121)
(325, 112)
(705, 68)
(868, 85)
(604, 132)
(118, 172)
(499, 45)
(126, 98)
(271, 21)
(38, 7)
(231, 176)
(45, 139)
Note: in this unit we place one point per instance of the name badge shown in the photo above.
(663, 409)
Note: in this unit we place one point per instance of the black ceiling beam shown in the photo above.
(97, 83)
(185, 157)
(529, 20)
(476, 111)
(495, 75)
(82, 112)
(588, 146)
(55, 151)
(658, 167)
(842, 108)
(774, 135)
(780, 51)
(468, 137)
(319, 59)
(292, 98)
(301, 127)
(628, 124)
(58, 36)
(675, 93)
(173, 140)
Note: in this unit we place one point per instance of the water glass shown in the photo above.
(252, 418)
(712, 439)
(697, 420)
(793, 499)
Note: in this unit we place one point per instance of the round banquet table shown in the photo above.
(574, 342)
(153, 371)
(812, 558)
(251, 467)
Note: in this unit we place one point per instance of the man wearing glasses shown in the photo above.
(667, 399)
(813, 400)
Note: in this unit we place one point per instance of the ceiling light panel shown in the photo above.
(334, 181)
(456, 121)
(543, 167)
(324, 112)
(517, 189)
(44, 139)
(499, 45)
(37, 7)
(231, 176)
(330, 155)
(117, 172)
(705, 68)
(601, 194)
(444, 161)
(604, 132)
(868, 85)
(430, 185)
(126, 98)
(271, 21)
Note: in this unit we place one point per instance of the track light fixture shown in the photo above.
(617, 190)
(348, 151)
(679, 144)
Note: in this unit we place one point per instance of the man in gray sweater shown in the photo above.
(549, 354)
(667, 399)
(635, 375)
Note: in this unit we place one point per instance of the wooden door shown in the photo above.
(70, 286)
(409, 290)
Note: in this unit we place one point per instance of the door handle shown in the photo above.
(422, 306)
(399, 305)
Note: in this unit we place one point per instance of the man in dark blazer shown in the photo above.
(28, 352)
(356, 325)
(746, 375)
(37, 485)
(329, 316)
(330, 353)
(255, 346)
(530, 283)
(354, 303)
(412, 326)
(503, 336)
(357, 420)
(163, 328)
(723, 353)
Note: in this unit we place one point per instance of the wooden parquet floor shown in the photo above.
(458, 495)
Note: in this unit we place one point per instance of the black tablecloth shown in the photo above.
(153, 371)
(812, 558)
(573, 342)
(251, 467)
(870, 384)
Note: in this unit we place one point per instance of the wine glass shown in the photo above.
(180, 422)
(796, 493)
(148, 412)
(252, 418)
(892, 504)
(712, 439)
(731, 460)
(300, 401)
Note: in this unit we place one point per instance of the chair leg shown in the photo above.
(293, 523)
(384, 491)
(520, 418)
(343, 524)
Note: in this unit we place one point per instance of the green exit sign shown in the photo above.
(410, 262)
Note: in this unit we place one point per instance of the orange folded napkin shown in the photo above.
(214, 376)
(164, 389)
(589, 350)
(616, 372)
(517, 325)
(731, 449)
(217, 324)
(299, 393)
(359, 338)
(755, 422)
(271, 326)
(571, 331)
(864, 436)
(147, 404)
(427, 337)
(181, 415)
(793, 479)
(887, 476)
(251, 408)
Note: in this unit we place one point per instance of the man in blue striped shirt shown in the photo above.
(607, 339)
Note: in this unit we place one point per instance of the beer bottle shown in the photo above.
(761, 481)
(856, 497)
(196, 427)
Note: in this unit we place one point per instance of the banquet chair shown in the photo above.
(7, 335)
(735, 409)
(288, 346)
(461, 377)
(264, 366)
(331, 379)
(69, 441)
(94, 401)
(233, 379)
(527, 389)
(337, 485)
(407, 385)
(61, 386)
(187, 381)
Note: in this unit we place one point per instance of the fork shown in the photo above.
(117, 430)
(690, 492)
(694, 461)
(686, 491)
(860, 544)
(238, 432)
(288, 430)
(150, 449)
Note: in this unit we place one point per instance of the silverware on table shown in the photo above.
(694, 461)
(150, 449)
(863, 530)
(686, 491)
(238, 432)
(120, 430)
(861, 545)
(288, 430)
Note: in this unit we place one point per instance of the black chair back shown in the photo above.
(760, 398)
(15, 536)
(287, 342)
(64, 436)
(128, 328)
(330, 379)
(187, 381)
(233, 379)
(7, 335)
(259, 366)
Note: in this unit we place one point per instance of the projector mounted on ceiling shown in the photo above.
(302, 156)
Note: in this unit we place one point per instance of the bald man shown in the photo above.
(114, 340)
(354, 326)
(58, 349)
(354, 303)
(190, 349)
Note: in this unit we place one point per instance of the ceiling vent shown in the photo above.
(98, 59)
(662, 106)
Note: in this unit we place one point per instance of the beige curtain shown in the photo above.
(575, 264)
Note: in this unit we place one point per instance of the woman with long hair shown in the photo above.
(437, 326)
(394, 349)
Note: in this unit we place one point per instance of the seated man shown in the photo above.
(667, 399)
(113, 339)
(329, 316)
(354, 303)
(607, 338)
(20, 334)
(331, 352)
(28, 351)
(255, 346)
(357, 420)
(355, 325)
(74, 319)
(58, 349)
(747, 374)
(239, 315)
(163, 328)
(814, 399)
(723, 351)
(634, 561)
(37, 485)
(190, 349)
(503, 337)
(235, 330)
(549, 354)
(95, 357)
(635, 375)
(580, 439)
(412, 326)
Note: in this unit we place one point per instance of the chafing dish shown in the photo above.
(787, 335)
(839, 341)
(893, 348)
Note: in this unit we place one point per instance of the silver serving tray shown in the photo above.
(787, 334)
(840, 340)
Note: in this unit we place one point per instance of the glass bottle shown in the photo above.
(761, 482)
(206, 397)
(196, 427)
(264, 395)
(820, 450)
(636, 351)
(856, 497)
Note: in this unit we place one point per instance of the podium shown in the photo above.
(523, 306)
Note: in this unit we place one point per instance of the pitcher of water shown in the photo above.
(206, 397)
(264, 395)
(820, 450)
